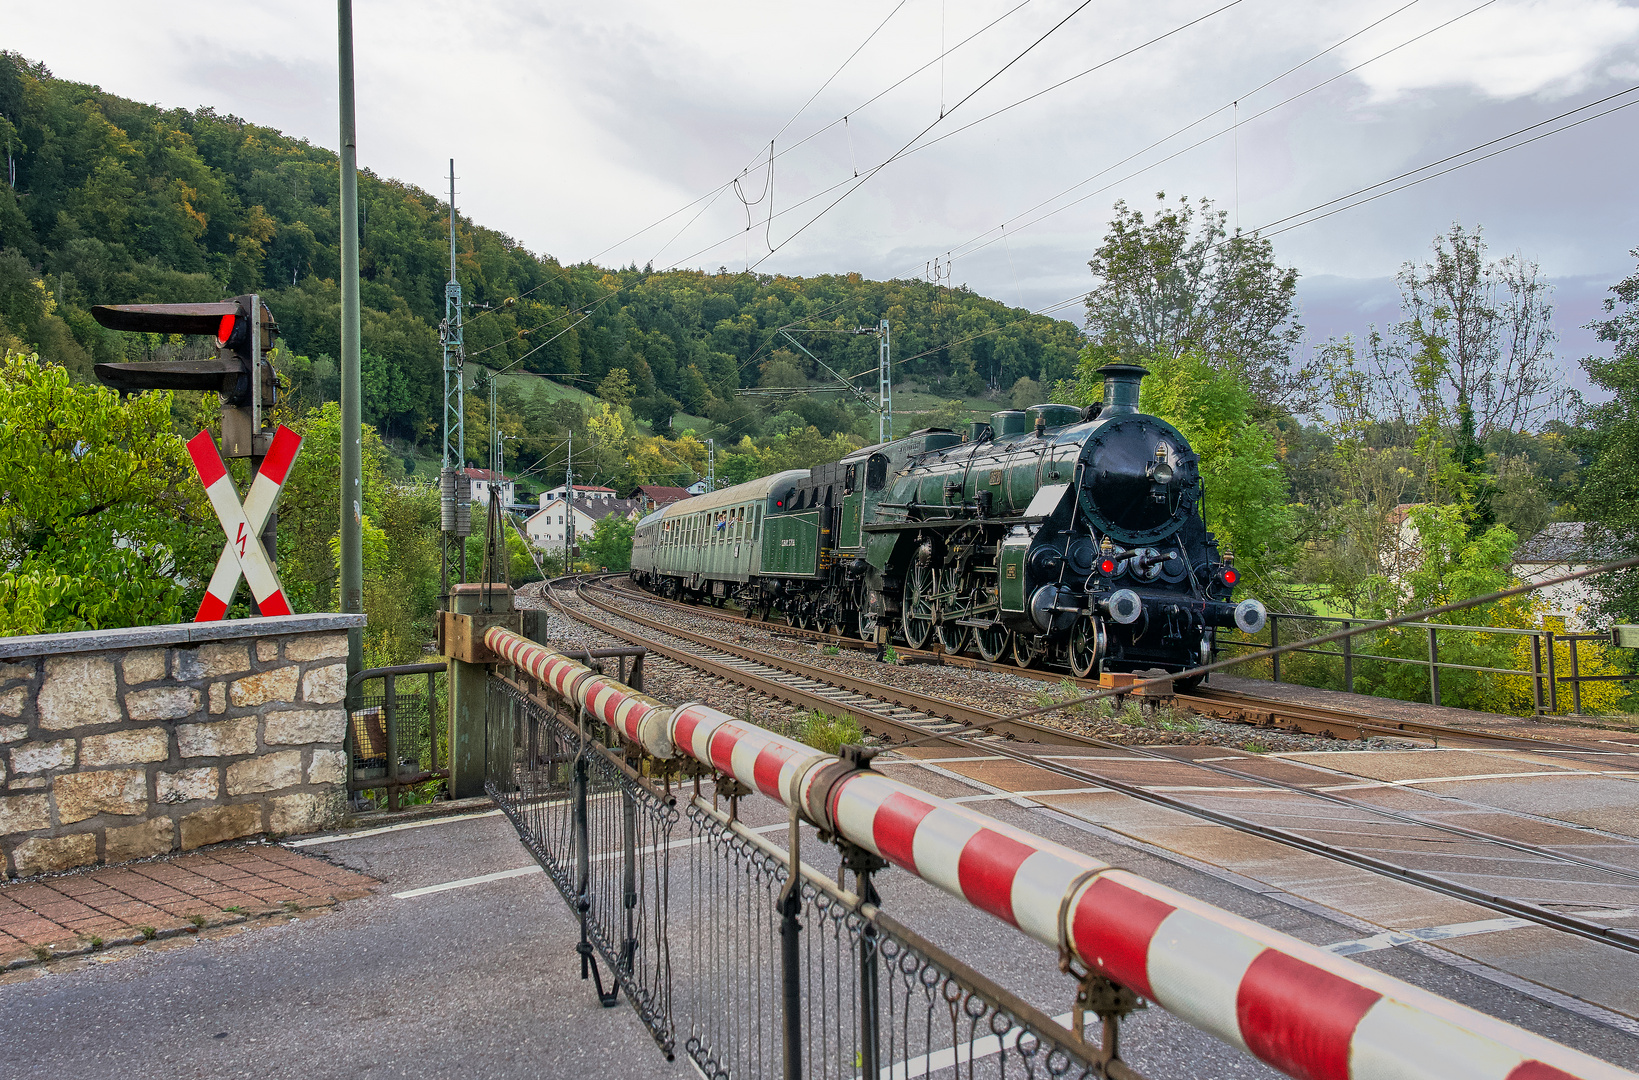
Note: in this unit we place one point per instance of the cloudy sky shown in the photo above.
(990, 135)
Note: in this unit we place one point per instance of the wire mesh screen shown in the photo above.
(602, 834)
(875, 999)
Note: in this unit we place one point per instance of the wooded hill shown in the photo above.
(116, 201)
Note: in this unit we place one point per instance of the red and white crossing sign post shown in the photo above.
(242, 523)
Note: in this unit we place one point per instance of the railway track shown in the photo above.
(903, 714)
(1220, 704)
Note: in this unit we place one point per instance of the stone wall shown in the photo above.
(119, 744)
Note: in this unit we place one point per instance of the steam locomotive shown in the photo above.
(1052, 535)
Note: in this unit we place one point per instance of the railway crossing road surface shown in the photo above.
(479, 981)
(463, 964)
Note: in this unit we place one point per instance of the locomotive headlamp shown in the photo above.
(1161, 472)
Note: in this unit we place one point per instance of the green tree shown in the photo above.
(103, 522)
(1245, 500)
(1610, 494)
(611, 543)
(1172, 285)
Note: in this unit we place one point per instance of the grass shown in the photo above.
(890, 656)
(198, 921)
(831, 650)
(825, 732)
(148, 932)
(1256, 747)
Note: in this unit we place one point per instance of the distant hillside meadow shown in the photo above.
(121, 202)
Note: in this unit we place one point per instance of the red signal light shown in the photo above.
(1107, 566)
(1231, 577)
(224, 329)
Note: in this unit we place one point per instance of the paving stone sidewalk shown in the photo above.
(117, 905)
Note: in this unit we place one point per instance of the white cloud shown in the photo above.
(1506, 50)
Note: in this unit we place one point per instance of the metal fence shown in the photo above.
(602, 833)
(747, 969)
(397, 739)
(1354, 651)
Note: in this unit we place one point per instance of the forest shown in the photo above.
(1390, 469)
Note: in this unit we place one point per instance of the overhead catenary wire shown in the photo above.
(719, 189)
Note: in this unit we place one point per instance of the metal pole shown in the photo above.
(352, 489)
(1536, 672)
(1553, 684)
(885, 422)
(869, 1033)
(568, 496)
(628, 822)
(1274, 640)
(390, 713)
(1348, 660)
(790, 907)
(1433, 667)
(1576, 681)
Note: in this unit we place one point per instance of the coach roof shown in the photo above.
(750, 491)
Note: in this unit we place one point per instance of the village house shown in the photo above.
(485, 483)
(546, 527)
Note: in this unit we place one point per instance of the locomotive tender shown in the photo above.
(1053, 534)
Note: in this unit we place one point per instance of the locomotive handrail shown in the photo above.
(1306, 1012)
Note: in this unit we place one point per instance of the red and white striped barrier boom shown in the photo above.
(243, 524)
(1300, 1009)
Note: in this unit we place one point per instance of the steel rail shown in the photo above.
(967, 715)
(1320, 716)
(1586, 929)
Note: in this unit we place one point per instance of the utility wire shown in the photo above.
(862, 181)
(715, 192)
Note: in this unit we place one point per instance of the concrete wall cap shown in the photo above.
(136, 637)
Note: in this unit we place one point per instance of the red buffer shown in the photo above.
(1304, 1011)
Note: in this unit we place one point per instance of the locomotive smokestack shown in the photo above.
(1121, 387)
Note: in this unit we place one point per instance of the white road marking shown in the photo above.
(525, 871)
(310, 841)
(1478, 776)
(499, 875)
(1025, 794)
(1392, 938)
(952, 1056)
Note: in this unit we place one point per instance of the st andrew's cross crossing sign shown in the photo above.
(243, 524)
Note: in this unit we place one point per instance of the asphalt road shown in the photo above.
(483, 981)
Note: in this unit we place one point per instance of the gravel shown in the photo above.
(995, 691)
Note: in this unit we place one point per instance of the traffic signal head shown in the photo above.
(243, 330)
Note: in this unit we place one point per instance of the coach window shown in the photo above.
(757, 523)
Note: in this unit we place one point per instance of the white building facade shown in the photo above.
(486, 483)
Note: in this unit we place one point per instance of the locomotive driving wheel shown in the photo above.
(992, 642)
(952, 636)
(916, 618)
(1087, 646)
(1029, 651)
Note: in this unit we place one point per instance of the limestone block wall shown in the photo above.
(120, 744)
